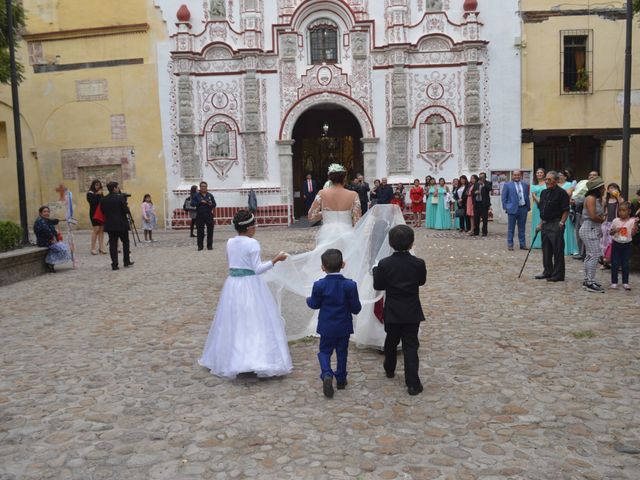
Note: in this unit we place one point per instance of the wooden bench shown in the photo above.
(21, 264)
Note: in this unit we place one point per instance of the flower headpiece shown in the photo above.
(336, 168)
(249, 221)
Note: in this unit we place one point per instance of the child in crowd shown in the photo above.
(337, 299)
(623, 228)
(247, 334)
(400, 276)
(148, 218)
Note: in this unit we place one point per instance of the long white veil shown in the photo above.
(362, 247)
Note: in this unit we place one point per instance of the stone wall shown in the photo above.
(21, 264)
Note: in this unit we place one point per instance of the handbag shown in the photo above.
(461, 212)
(98, 216)
(607, 253)
(434, 200)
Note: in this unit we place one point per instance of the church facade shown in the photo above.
(255, 93)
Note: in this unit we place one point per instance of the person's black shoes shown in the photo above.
(415, 390)
(130, 264)
(50, 268)
(389, 374)
(115, 267)
(541, 277)
(200, 248)
(327, 387)
(555, 279)
(341, 385)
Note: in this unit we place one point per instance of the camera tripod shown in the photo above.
(134, 230)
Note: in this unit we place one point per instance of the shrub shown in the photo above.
(10, 235)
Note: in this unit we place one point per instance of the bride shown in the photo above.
(362, 241)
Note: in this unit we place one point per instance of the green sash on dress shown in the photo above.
(241, 272)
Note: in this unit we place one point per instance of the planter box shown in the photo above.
(21, 264)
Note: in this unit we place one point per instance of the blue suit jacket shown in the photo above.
(337, 298)
(510, 197)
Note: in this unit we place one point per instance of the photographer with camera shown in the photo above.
(116, 212)
(205, 204)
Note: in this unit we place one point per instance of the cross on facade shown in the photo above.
(61, 190)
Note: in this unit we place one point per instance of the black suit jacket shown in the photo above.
(462, 198)
(305, 188)
(401, 276)
(115, 210)
(486, 193)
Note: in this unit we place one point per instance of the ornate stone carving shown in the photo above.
(359, 45)
(255, 157)
(321, 78)
(289, 47)
(217, 9)
(433, 5)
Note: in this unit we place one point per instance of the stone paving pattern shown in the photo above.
(100, 380)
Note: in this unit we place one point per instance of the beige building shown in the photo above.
(572, 88)
(89, 105)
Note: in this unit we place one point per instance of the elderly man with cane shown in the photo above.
(554, 210)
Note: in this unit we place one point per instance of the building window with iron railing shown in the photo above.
(576, 61)
(323, 41)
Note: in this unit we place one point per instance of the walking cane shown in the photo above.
(527, 257)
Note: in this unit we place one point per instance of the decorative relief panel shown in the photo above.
(437, 132)
(108, 157)
(221, 145)
(322, 78)
(438, 88)
(92, 90)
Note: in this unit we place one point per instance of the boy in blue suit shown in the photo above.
(337, 299)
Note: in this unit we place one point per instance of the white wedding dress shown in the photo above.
(247, 334)
(362, 247)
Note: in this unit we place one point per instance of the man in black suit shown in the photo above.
(385, 192)
(309, 191)
(401, 276)
(205, 204)
(363, 193)
(116, 224)
(481, 203)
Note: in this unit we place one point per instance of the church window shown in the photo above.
(323, 41)
(576, 61)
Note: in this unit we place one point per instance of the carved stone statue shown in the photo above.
(217, 8)
(219, 142)
(434, 5)
(435, 135)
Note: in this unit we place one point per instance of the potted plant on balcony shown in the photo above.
(582, 82)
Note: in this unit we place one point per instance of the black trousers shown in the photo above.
(408, 333)
(553, 249)
(480, 212)
(201, 223)
(465, 223)
(123, 236)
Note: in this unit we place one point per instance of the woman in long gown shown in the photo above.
(432, 204)
(247, 334)
(536, 190)
(362, 241)
(570, 244)
(443, 212)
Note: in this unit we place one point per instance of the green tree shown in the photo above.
(636, 6)
(18, 25)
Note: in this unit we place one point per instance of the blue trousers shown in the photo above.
(620, 255)
(327, 346)
(521, 219)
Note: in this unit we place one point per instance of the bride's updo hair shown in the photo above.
(337, 177)
(243, 220)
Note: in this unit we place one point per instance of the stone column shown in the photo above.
(189, 162)
(253, 134)
(369, 157)
(473, 120)
(398, 132)
(285, 155)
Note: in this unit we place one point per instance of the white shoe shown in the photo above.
(626, 286)
(614, 286)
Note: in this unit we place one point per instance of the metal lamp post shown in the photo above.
(22, 198)
(626, 119)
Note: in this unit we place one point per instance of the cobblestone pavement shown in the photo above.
(523, 379)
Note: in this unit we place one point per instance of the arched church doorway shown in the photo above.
(323, 135)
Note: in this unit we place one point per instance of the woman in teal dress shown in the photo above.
(443, 212)
(570, 244)
(536, 190)
(453, 204)
(430, 221)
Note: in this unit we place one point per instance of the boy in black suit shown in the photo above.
(401, 275)
(337, 298)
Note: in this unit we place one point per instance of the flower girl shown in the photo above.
(247, 334)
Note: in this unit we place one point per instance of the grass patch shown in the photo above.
(304, 340)
(583, 334)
